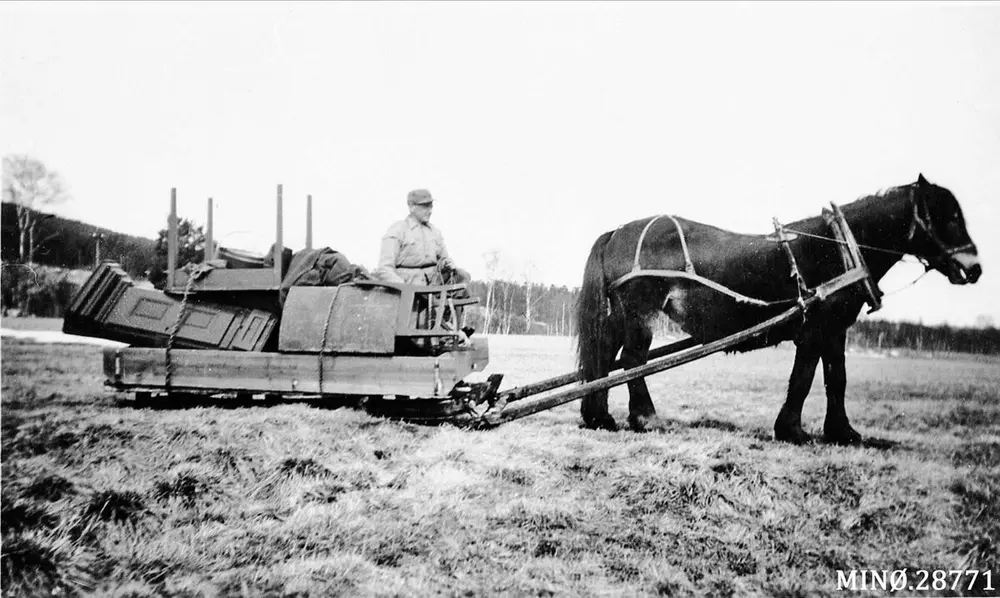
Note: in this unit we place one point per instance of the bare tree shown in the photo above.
(492, 259)
(984, 321)
(507, 319)
(529, 275)
(30, 186)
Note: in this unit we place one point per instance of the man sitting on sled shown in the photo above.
(413, 250)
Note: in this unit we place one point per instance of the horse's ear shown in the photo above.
(921, 180)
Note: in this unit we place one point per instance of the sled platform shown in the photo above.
(190, 370)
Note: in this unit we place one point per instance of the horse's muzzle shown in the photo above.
(964, 268)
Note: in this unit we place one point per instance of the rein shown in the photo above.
(842, 242)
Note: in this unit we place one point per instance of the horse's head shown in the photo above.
(937, 233)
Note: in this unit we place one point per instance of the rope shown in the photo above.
(326, 328)
(907, 285)
(176, 328)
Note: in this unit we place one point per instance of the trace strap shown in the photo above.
(688, 265)
(688, 273)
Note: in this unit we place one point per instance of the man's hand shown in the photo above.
(446, 265)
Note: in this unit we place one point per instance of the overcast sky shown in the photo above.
(536, 126)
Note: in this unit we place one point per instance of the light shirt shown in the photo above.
(410, 252)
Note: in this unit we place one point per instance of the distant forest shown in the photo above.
(72, 244)
(506, 307)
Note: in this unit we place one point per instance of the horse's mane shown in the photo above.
(861, 203)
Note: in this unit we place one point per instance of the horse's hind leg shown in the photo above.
(635, 352)
(594, 406)
(836, 428)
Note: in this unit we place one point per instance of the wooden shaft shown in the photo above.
(209, 237)
(172, 239)
(520, 392)
(530, 407)
(309, 221)
(278, 249)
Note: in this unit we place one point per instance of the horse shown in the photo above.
(742, 280)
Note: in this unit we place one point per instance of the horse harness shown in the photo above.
(923, 221)
(849, 252)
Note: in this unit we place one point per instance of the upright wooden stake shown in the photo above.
(172, 239)
(309, 221)
(209, 237)
(278, 249)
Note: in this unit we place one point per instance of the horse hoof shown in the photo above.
(605, 423)
(608, 424)
(644, 423)
(848, 437)
(794, 436)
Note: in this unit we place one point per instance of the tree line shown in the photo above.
(74, 245)
(879, 335)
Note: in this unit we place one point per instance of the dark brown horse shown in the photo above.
(920, 219)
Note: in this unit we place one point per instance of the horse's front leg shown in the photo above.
(788, 425)
(635, 352)
(836, 428)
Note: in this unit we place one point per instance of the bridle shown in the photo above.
(922, 220)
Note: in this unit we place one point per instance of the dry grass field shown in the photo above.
(102, 497)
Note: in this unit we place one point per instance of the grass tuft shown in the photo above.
(979, 508)
(727, 468)
(836, 482)
(37, 438)
(514, 475)
(185, 484)
(114, 505)
(977, 454)
(40, 566)
(714, 424)
(17, 516)
(49, 487)
(134, 589)
(29, 567)
(962, 416)
(307, 467)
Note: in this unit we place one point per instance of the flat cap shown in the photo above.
(419, 197)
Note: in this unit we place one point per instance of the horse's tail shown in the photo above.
(592, 317)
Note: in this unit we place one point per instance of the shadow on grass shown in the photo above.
(871, 442)
(668, 424)
(182, 401)
(762, 434)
